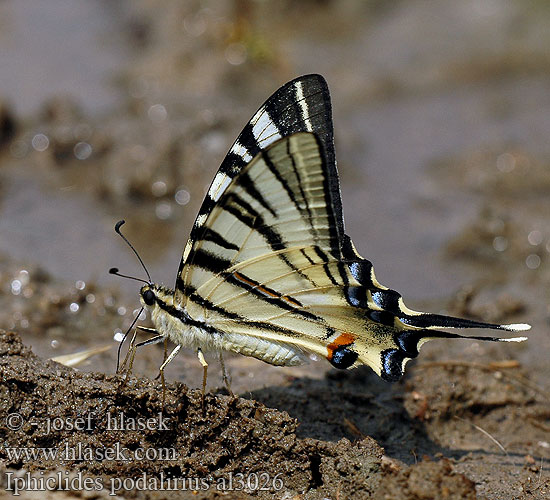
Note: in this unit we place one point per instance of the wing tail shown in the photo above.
(432, 321)
(409, 341)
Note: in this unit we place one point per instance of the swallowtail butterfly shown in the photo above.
(269, 271)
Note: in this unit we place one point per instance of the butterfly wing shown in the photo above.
(302, 105)
(268, 265)
(267, 276)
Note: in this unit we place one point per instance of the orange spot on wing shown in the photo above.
(240, 277)
(344, 339)
(267, 292)
(292, 301)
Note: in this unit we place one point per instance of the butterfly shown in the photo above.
(268, 270)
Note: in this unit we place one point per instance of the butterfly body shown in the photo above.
(268, 270)
(197, 333)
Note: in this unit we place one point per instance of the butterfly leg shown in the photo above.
(133, 346)
(170, 357)
(204, 373)
(129, 355)
(225, 377)
(164, 355)
(153, 340)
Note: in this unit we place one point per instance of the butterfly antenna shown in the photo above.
(114, 270)
(126, 334)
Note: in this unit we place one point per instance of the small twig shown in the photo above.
(353, 428)
(484, 432)
(539, 483)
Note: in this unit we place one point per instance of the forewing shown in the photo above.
(302, 105)
(269, 262)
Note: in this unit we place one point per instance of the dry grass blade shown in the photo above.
(492, 438)
(76, 358)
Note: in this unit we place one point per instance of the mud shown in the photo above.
(441, 123)
(95, 424)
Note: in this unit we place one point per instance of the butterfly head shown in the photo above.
(148, 297)
(154, 297)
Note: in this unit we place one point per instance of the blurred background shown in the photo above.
(124, 110)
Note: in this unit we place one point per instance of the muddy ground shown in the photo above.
(442, 119)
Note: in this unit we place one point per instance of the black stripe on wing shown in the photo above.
(219, 266)
(187, 320)
(270, 295)
(243, 211)
(248, 185)
(211, 262)
(273, 169)
(324, 258)
(210, 235)
(209, 306)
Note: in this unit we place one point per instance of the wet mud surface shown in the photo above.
(441, 123)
